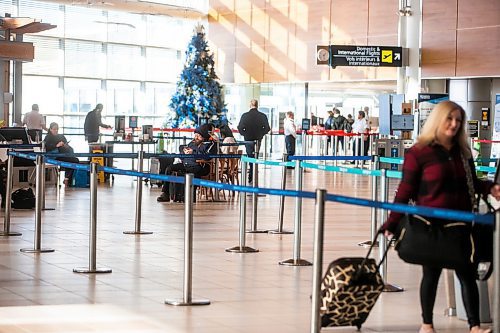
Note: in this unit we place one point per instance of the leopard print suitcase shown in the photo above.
(348, 296)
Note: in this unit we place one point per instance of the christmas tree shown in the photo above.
(198, 97)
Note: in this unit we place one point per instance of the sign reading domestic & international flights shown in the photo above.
(374, 56)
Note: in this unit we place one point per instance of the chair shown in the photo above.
(229, 172)
(207, 191)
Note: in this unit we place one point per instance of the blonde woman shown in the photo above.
(434, 176)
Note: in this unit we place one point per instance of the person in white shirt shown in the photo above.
(361, 126)
(33, 119)
(290, 131)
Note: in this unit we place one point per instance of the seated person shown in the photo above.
(57, 143)
(202, 144)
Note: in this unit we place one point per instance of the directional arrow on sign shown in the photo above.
(397, 56)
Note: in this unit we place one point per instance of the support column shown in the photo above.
(409, 32)
(18, 88)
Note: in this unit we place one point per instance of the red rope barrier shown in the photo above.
(486, 141)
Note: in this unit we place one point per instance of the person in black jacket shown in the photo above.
(253, 126)
(92, 123)
(57, 143)
(203, 143)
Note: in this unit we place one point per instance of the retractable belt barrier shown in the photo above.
(447, 214)
(329, 158)
(20, 145)
(320, 195)
(266, 162)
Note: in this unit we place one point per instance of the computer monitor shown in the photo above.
(15, 134)
(306, 124)
(132, 121)
(119, 124)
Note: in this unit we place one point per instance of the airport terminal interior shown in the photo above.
(393, 59)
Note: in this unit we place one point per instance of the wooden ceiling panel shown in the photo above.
(221, 30)
(439, 15)
(383, 17)
(477, 52)
(349, 21)
(439, 54)
(484, 13)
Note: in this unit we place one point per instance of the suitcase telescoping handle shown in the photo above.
(374, 241)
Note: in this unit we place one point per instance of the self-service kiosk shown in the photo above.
(392, 148)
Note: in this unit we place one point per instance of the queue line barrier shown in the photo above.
(321, 197)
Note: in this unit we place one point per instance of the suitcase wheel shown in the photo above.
(358, 326)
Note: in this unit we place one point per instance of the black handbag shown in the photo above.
(482, 234)
(422, 242)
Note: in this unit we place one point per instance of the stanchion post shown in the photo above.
(93, 227)
(319, 223)
(242, 248)
(8, 199)
(138, 199)
(255, 176)
(496, 274)
(384, 187)
(335, 148)
(188, 249)
(37, 248)
(280, 230)
(296, 260)
(373, 210)
(449, 286)
(217, 172)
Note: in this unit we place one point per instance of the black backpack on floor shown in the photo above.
(23, 198)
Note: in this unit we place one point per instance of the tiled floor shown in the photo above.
(248, 292)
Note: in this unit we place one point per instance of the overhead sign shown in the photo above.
(374, 56)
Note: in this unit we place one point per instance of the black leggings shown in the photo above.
(470, 295)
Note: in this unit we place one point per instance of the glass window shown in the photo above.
(49, 57)
(125, 28)
(123, 98)
(81, 23)
(45, 92)
(158, 97)
(47, 12)
(162, 65)
(125, 62)
(84, 59)
(8, 6)
(81, 95)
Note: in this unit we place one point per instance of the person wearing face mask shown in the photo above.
(435, 175)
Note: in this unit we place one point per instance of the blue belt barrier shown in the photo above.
(392, 160)
(198, 156)
(486, 168)
(266, 162)
(330, 158)
(109, 155)
(440, 213)
(401, 208)
(20, 145)
(68, 165)
(28, 156)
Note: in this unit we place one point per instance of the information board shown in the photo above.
(473, 128)
(374, 56)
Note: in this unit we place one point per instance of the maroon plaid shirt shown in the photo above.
(435, 177)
